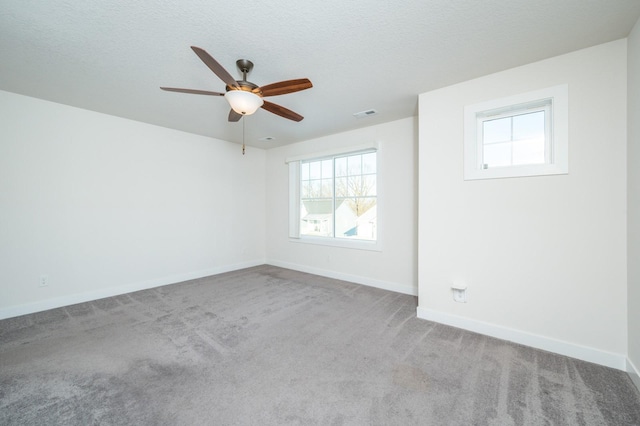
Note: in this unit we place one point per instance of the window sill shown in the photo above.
(341, 243)
(516, 171)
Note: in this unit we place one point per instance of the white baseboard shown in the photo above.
(72, 299)
(385, 285)
(634, 373)
(608, 359)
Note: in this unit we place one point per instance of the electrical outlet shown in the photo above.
(459, 291)
(460, 295)
(44, 280)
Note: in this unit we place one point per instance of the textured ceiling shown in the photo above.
(112, 56)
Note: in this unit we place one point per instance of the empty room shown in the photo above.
(331, 213)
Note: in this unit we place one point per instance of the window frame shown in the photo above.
(295, 199)
(553, 100)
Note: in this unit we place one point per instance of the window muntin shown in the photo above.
(338, 197)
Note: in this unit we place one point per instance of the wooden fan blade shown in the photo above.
(281, 111)
(215, 67)
(234, 116)
(192, 91)
(284, 87)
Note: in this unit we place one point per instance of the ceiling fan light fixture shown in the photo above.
(243, 102)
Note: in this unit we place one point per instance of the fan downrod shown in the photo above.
(245, 66)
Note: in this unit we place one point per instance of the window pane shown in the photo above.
(369, 163)
(327, 169)
(369, 185)
(315, 170)
(304, 189)
(497, 155)
(304, 171)
(528, 126)
(528, 152)
(327, 188)
(341, 166)
(355, 186)
(356, 218)
(342, 187)
(316, 189)
(354, 163)
(498, 130)
(316, 218)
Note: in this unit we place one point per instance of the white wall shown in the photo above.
(544, 258)
(392, 268)
(104, 205)
(633, 194)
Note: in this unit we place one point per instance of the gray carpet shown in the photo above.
(270, 346)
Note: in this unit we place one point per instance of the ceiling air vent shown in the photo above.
(367, 113)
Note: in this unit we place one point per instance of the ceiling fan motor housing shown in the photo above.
(247, 86)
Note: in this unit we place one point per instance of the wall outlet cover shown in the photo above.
(459, 295)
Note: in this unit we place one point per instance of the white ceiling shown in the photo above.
(112, 56)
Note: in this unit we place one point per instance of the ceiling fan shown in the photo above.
(246, 97)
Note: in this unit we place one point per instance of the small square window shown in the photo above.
(524, 135)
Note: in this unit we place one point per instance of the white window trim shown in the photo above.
(294, 200)
(558, 161)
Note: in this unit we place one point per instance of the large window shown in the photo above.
(334, 198)
(338, 197)
(524, 135)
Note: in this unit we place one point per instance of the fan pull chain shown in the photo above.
(243, 135)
